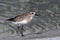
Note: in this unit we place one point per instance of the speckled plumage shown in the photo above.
(23, 18)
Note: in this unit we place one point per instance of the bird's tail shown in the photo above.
(2, 20)
(11, 19)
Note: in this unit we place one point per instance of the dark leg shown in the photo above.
(21, 30)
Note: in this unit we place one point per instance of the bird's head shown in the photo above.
(33, 13)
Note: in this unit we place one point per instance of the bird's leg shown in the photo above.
(18, 28)
(21, 30)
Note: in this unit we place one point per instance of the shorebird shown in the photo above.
(22, 19)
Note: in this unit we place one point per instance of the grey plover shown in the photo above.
(22, 19)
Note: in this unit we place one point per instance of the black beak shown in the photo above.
(36, 15)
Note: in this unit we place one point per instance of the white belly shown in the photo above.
(21, 22)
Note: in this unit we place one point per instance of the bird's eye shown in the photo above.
(32, 13)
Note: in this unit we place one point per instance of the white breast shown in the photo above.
(21, 22)
(24, 21)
